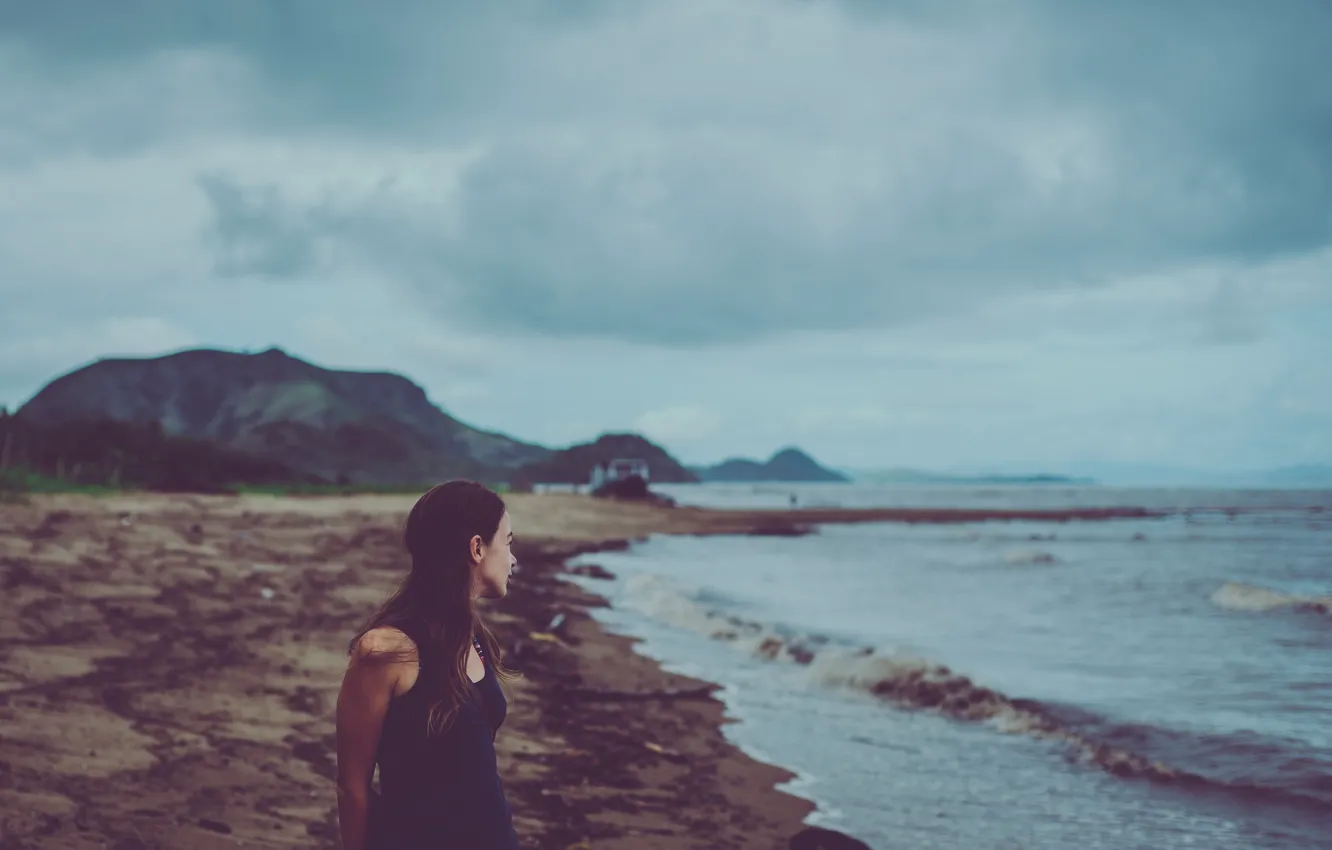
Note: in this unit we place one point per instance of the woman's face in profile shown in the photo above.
(497, 562)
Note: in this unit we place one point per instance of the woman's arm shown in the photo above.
(363, 700)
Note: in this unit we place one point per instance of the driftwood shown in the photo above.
(604, 695)
(665, 752)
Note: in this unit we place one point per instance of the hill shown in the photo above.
(788, 465)
(357, 427)
(574, 464)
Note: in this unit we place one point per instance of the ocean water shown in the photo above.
(1119, 684)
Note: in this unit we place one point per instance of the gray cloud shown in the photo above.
(690, 172)
(252, 233)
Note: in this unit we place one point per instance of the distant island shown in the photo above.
(1305, 475)
(789, 465)
(917, 476)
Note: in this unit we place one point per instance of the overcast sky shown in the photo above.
(948, 235)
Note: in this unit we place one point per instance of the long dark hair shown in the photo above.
(433, 605)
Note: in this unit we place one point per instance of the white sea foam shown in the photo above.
(1244, 597)
(895, 677)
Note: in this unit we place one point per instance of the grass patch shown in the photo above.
(15, 484)
(342, 489)
(326, 489)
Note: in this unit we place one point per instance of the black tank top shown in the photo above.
(443, 791)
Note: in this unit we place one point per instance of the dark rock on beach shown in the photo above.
(591, 571)
(818, 838)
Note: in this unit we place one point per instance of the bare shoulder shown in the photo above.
(384, 640)
(383, 660)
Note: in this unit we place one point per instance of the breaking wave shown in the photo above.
(1249, 766)
(1245, 597)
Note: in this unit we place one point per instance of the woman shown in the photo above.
(421, 695)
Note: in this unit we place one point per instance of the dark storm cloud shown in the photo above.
(394, 68)
(691, 172)
(252, 233)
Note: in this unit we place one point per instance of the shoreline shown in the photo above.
(639, 771)
(169, 665)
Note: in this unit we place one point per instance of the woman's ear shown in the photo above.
(478, 548)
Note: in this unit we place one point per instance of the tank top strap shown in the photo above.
(418, 634)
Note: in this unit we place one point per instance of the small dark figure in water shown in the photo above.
(793, 501)
(421, 697)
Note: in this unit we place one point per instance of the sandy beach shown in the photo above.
(169, 666)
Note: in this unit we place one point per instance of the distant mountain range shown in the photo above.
(220, 409)
(1309, 475)
(217, 411)
(922, 477)
(787, 465)
(1304, 475)
(1117, 475)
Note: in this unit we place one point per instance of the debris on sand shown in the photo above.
(592, 571)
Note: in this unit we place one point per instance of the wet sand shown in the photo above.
(169, 667)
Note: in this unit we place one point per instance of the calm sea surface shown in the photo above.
(1132, 683)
